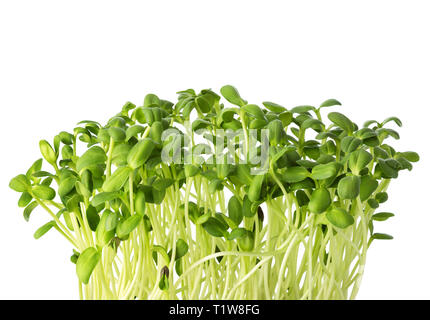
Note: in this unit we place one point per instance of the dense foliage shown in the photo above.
(152, 211)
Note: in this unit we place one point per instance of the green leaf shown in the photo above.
(308, 164)
(358, 160)
(93, 217)
(191, 170)
(41, 174)
(326, 135)
(320, 201)
(368, 185)
(117, 134)
(187, 109)
(312, 123)
(158, 114)
(156, 132)
(120, 153)
(295, 174)
(371, 226)
(90, 122)
(117, 121)
(330, 103)
(381, 197)
(200, 124)
(246, 242)
(276, 132)
(370, 122)
(128, 106)
(226, 115)
(257, 124)
(302, 198)
(153, 195)
(382, 216)
(57, 142)
(205, 102)
(24, 200)
(125, 227)
(92, 157)
(147, 223)
(203, 218)
(325, 171)
(47, 182)
(140, 153)
(162, 252)
(151, 100)
(103, 135)
(305, 184)
(233, 125)
(66, 185)
(368, 136)
(235, 210)
(226, 221)
(384, 133)
(388, 168)
(349, 144)
(404, 163)
(139, 202)
(66, 153)
(302, 109)
(247, 208)
(133, 131)
(283, 153)
(286, 118)
(237, 233)
(255, 187)
(341, 121)
(381, 236)
(243, 174)
(274, 107)
(103, 197)
(44, 229)
(231, 94)
(349, 187)
(87, 180)
(254, 110)
(373, 203)
(214, 227)
(29, 209)
(47, 152)
(117, 180)
(20, 183)
(36, 166)
(380, 153)
(181, 249)
(103, 236)
(327, 151)
(86, 263)
(43, 192)
(111, 221)
(215, 185)
(74, 257)
(339, 217)
(410, 156)
(392, 119)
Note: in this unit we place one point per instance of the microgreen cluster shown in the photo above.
(154, 212)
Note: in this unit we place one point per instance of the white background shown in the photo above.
(64, 61)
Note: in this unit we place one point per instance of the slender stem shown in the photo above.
(109, 158)
(130, 192)
(63, 229)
